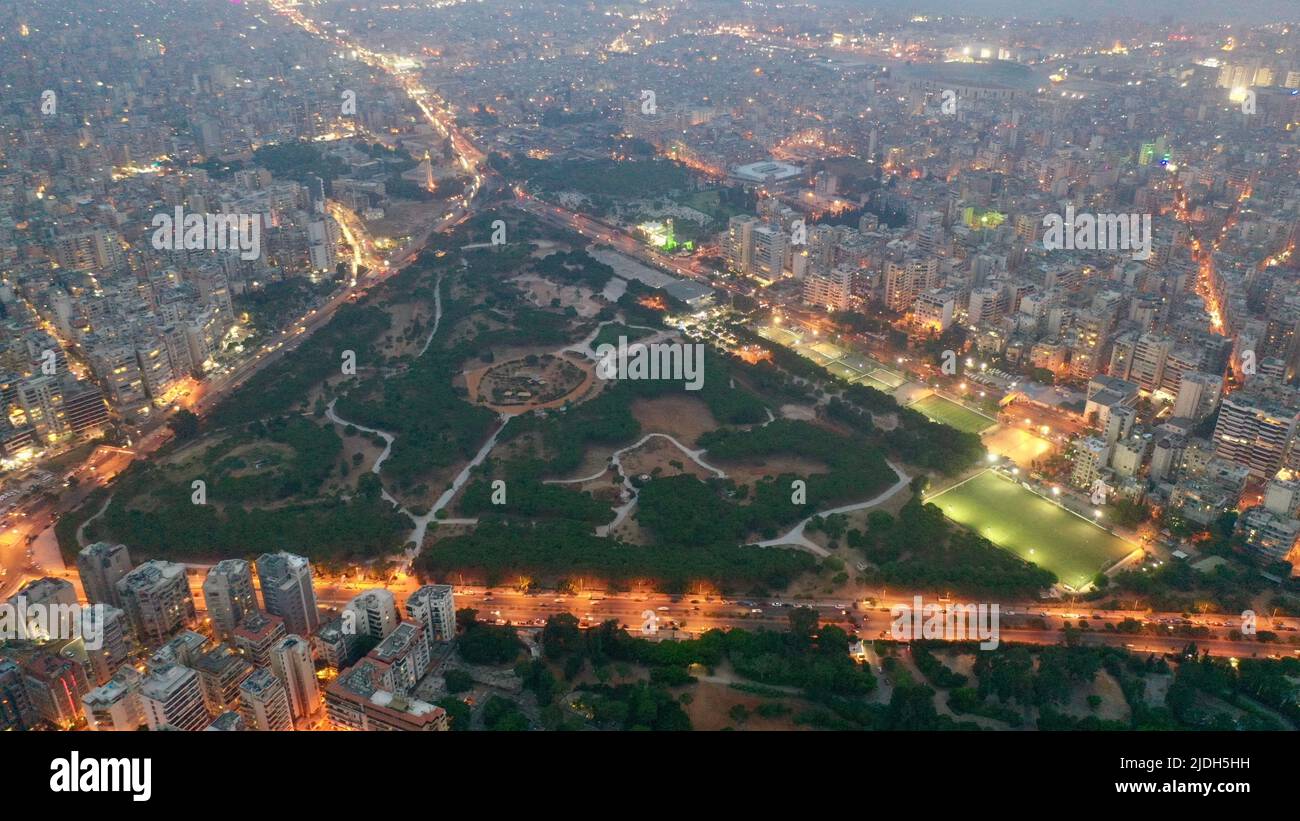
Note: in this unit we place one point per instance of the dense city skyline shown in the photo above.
(649, 365)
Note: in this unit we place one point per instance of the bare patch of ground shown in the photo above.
(593, 459)
(711, 703)
(468, 328)
(544, 248)
(804, 413)
(1157, 688)
(527, 445)
(682, 417)
(1113, 706)
(420, 497)
(659, 458)
(400, 219)
(438, 531)
(543, 291)
(406, 316)
(885, 421)
(363, 444)
(750, 471)
(631, 532)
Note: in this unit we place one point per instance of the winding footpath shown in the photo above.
(387, 437)
(437, 314)
(795, 538)
(629, 490)
(421, 522)
(584, 347)
(81, 531)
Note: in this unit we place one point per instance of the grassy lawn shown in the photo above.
(949, 413)
(1033, 528)
(610, 333)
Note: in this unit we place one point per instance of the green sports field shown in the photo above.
(947, 412)
(1033, 528)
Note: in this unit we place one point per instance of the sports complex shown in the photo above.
(995, 506)
(852, 367)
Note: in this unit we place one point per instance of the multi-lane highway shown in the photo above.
(27, 546)
(688, 615)
(665, 616)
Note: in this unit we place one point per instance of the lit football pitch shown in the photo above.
(947, 412)
(1033, 528)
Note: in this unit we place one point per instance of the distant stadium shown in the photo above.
(998, 80)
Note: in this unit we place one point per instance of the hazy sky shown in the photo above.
(1219, 11)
